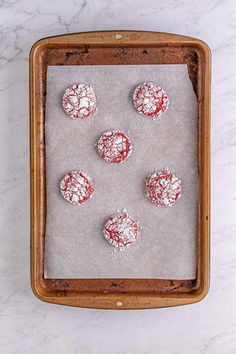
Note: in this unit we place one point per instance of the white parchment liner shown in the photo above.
(75, 247)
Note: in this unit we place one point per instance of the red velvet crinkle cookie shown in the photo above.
(77, 187)
(163, 188)
(114, 146)
(79, 101)
(150, 100)
(121, 230)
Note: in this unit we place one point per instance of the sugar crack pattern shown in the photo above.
(79, 101)
(77, 187)
(121, 230)
(163, 188)
(150, 100)
(114, 146)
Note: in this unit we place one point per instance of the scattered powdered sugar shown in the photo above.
(79, 101)
(77, 187)
(121, 230)
(163, 188)
(150, 100)
(114, 146)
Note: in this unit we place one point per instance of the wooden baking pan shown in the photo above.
(123, 47)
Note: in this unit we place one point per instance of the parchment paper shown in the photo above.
(75, 247)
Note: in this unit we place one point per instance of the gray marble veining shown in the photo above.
(30, 326)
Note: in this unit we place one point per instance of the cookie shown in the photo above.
(121, 230)
(79, 101)
(114, 146)
(77, 187)
(163, 188)
(150, 100)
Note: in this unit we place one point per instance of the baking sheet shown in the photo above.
(74, 245)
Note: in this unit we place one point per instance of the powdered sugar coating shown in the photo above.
(114, 146)
(150, 100)
(79, 101)
(121, 230)
(163, 188)
(77, 187)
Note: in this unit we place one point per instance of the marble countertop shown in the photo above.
(30, 326)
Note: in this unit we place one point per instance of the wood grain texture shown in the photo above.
(123, 47)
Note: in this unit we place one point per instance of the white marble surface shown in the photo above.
(30, 326)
